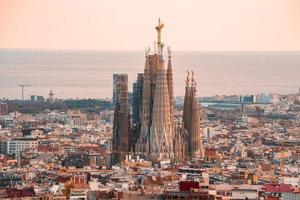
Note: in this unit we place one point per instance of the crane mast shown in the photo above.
(22, 86)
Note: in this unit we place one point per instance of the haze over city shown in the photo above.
(193, 25)
(149, 100)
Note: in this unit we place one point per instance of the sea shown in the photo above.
(88, 74)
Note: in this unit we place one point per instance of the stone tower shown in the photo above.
(187, 104)
(170, 84)
(156, 134)
(180, 143)
(146, 107)
(191, 119)
(161, 129)
(51, 97)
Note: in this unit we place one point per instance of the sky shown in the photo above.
(190, 25)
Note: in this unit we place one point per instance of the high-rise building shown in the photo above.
(156, 136)
(137, 97)
(116, 78)
(121, 126)
(191, 119)
(3, 108)
(36, 98)
(248, 98)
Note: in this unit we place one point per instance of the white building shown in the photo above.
(245, 122)
(18, 145)
(294, 181)
(6, 121)
(237, 192)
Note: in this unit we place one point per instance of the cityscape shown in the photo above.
(147, 142)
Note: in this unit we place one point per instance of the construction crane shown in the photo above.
(22, 86)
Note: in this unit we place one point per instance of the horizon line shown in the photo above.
(141, 50)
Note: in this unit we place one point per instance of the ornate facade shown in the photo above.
(191, 119)
(156, 136)
(181, 144)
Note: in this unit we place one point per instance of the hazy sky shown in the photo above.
(129, 24)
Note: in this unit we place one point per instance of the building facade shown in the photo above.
(36, 98)
(6, 121)
(156, 135)
(137, 97)
(18, 145)
(116, 80)
(191, 119)
(121, 126)
(3, 108)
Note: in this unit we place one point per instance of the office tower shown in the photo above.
(3, 108)
(121, 126)
(137, 97)
(156, 136)
(191, 119)
(36, 98)
(115, 80)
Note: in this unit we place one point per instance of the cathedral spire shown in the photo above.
(169, 53)
(156, 134)
(191, 118)
(147, 51)
(187, 103)
(170, 83)
(161, 52)
(192, 80)
(158, 28)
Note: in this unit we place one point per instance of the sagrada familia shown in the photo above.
(153, 132)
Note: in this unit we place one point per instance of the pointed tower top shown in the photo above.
(169, 52)
(193, 81)
(161, 51)
(147, 51)
(195, 88)
(187, 81)
(169, 60)
(154, 47)
(158, 28)
(51, 93)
